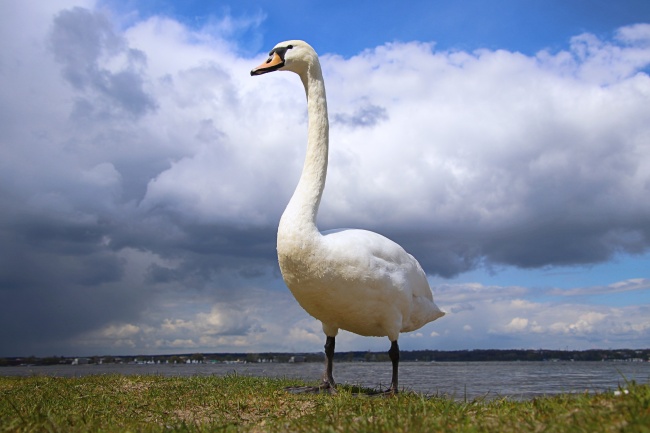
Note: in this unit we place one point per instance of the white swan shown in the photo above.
(355, 280)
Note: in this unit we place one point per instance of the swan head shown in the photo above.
(295, 56)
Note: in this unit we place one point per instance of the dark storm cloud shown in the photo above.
(78, 252)
(81, 39)
(57, 282)
(565, 244)
(62, 278)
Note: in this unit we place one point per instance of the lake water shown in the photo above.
(460, 380)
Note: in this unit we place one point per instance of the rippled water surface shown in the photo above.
(518, 380)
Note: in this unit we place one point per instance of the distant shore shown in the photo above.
(479, 355)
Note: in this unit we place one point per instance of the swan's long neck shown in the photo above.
(300, 214)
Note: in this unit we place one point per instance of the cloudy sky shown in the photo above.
(143, 172)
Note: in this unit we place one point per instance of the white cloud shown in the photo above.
(464, 293)
(517, 324)
(306, 332)
(141, 163)
(631, 285)
(513, 322)
(120, 331)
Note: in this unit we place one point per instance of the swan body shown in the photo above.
(359, 281)
(355, 280)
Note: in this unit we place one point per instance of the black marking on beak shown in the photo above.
(274, 62)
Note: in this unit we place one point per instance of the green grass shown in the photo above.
(116, 403)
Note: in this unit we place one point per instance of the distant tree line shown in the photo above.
(525, 355)
(483, 355)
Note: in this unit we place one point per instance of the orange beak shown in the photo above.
(273, 63)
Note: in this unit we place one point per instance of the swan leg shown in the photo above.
(328, 379)
(393, 353)
(327, 383)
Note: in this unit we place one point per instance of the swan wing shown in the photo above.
(369, 260)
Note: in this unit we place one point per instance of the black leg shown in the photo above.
(393, 353)
(327, 384)
(328, 379)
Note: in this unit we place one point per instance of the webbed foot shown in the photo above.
(324, 387)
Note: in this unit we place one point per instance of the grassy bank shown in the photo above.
(241, 404)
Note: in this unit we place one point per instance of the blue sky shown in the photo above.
(143, 171)
(347, 28)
